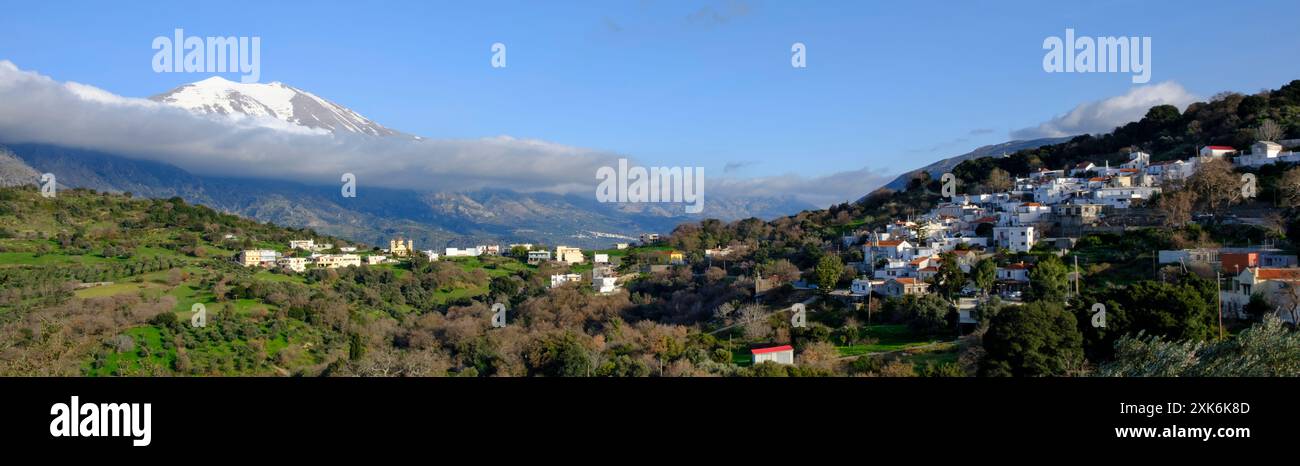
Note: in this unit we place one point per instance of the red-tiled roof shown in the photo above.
(772, 349)
(1098, 178)
(1019, 266)
(1220, 148)
(905, 280)
(1291, 274)
(889, 243)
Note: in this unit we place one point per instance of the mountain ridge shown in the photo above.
(277, 100)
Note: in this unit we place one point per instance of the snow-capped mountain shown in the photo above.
(277, 100)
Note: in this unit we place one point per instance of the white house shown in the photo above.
(1045, 174)
(1137, 160)
(560, 279)
(1216, 151)
(1188, 256)
(333, 261)
(1173, 170)
(604, 284)
(375, 259)
(537, 257)
(860, 287)
(1030, 213)
(1122, 198)
(723, 253)
(296, 264)
(899, 287)
(1015, 238)
(894, 268)
(1265, 153)
(466, 252)
(893, 249)
(1018, 273)
(1279, 288)
(602, 258)
(779, 354)
(258, 257)
(568, 254)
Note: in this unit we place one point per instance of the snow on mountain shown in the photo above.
(217, 95)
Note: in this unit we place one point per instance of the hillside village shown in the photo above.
(1050, 210)
(603, 276)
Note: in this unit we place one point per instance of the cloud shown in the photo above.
(1105, 115)
(821, 191)
(37, 109)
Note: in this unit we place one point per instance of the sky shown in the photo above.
(888, 87)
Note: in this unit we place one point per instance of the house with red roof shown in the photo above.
(903, 286)
(892, 249)
(1280, 288)
(783, 354)
(1216, 151)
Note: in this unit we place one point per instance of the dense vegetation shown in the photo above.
(100, 284)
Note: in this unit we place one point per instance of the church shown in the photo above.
(399, 249)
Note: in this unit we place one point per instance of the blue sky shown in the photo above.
(889, 87)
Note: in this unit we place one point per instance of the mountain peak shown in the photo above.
(218, 95)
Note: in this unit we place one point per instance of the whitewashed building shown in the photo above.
(560, 279)
(779, 354)
(1015, 238)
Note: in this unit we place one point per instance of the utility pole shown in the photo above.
(1219, 292)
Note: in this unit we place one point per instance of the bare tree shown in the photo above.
(1269, 131)
(1216, 184)
(754, 319)
(1177, 207)
(999, 180)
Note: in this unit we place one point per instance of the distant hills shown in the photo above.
(433, 219)
(946, 165)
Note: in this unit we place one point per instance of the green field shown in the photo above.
(889, 337)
